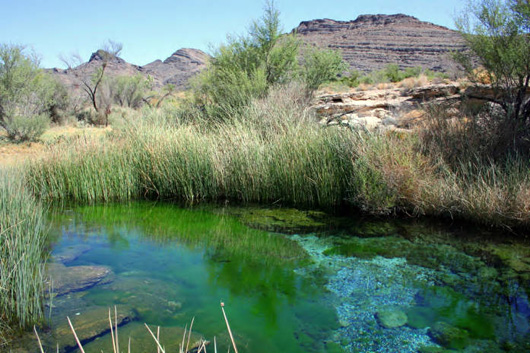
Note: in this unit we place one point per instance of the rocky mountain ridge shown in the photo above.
(367, 43)
(176, 69)
(371, 42)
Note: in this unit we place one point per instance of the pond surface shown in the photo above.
(291, 281)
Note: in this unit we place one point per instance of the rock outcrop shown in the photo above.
(385, 109)
(372, 41)
(63, 280)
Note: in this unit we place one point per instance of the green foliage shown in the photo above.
(498, 35)
(26, 128)
(128, 91)
(22, 243)
(247, 66)
(26, 93)
(321, 66)
(391, 73)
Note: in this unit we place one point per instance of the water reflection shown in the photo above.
(172, 264)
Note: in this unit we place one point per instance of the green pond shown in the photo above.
(290, 280)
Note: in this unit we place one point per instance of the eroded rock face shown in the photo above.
(373, 41)
(388, 108)
(63, 280)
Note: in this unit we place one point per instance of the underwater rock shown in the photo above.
(162, 304)
(64, 280)
(89, 324)
(449, 336)
(391, 318)
(71, 253)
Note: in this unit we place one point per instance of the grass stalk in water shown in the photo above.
(22, 241)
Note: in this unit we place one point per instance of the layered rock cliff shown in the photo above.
(373, 41)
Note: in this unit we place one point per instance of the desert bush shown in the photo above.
(497, 33)
(27, 94)
(26, 128)
(247, 66)
(128, 91)
(321, 65)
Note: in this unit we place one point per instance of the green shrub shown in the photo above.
(247, 67)
(321, 65)
(25, 91)
(128, 91)
(26, 128)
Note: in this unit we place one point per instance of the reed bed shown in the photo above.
(274, 152)
(22, 242)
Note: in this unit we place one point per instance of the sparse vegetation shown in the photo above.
(390, 74)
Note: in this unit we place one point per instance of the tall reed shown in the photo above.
(22, 242)
(273, 151)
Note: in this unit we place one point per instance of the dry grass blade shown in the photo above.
(129, 345)
(116, 328)
(181, 346)
(75, 335)
(112, 334)
(38, 339)
(189, 335)
(228, 327)
(214, 345)
(154, 337)
(158, 338)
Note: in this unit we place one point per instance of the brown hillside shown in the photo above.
(372, 41)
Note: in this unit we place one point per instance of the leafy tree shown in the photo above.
(247, 66)
(498, 35)
(321, 65)
(128, 91)
(27, 94)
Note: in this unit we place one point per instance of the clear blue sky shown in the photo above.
(154, 29)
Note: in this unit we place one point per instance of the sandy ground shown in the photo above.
(15, 155)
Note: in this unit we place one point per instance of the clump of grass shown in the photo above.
(270, 153)
(22, 242)
(273, 151)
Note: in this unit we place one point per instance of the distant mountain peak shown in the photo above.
(190, 55)
(102, 55)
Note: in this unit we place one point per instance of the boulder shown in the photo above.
(63, 280)
(391, 318)
(449, 336)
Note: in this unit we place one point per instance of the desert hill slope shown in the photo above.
(372, 41)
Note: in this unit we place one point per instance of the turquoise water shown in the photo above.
(293, 281)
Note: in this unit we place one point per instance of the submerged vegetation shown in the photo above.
(247, 134)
